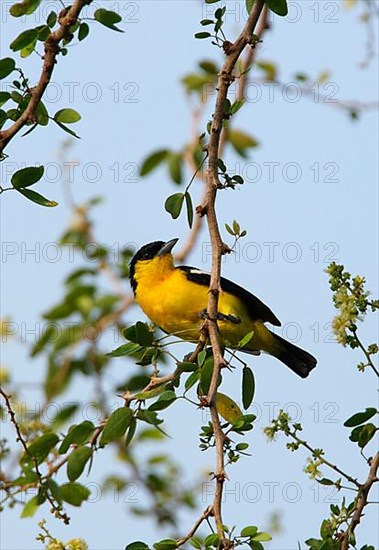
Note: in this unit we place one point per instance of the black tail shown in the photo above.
(297, 359)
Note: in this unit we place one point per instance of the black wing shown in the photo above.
(256, 308)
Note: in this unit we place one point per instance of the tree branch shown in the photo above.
(56, 507)
(67, 18)
(207, 512)
(361, 502)
(225, 78)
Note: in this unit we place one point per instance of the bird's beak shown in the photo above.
(167, 247)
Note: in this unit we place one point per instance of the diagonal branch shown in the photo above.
(67, 18)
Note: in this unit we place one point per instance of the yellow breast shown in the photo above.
(175, 304)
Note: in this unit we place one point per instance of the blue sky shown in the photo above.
(127, 89)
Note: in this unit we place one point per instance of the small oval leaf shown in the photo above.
(36, 197)
(360, 418)
(153, 161)
(67, 116)
(227, 408)
(7, 65)
(173, 204)
(27, 176)
(77, 462)
(248, 387)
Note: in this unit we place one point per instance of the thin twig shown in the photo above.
(207, 512)
(366, 353)
(323, 460)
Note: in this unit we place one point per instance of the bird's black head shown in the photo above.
(148, 252)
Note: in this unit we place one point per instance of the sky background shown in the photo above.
(312, 222)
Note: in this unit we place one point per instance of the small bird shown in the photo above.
(175, 299)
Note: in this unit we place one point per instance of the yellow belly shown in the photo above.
(175, 305)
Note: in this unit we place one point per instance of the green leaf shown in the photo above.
(65, 412)
(246, 339)
(167, 544)
(153, 161)
(54, 489)
(209, 66)
(189, 208)
(51, 19)
(36, 197)
(74, 493)
(173, 204)
(367, 432)
(206, 375)
(67, 116)
(3, 117)
(144, 336)
(129, 333)
(27, 176)
(262, 537)
(186, 366)
(17, 10)
(361, 417)
(42, 114)
(83, 31)
(28, 50)
(7, 65)
(229, 230)
(174, 161)
(137, 545)
(150, 394)
(150, 417)
(116, 425)
(24, 39)
(77, 435)
(241, 142)
(248, 387)
(30, 508)
(212, 540)
(269, 68)
(108, 18)
(65, 129)
(237, 105)
(201, 357)
(41, 447)
(278, 6)
(325, 481)
(164, 401)
(191, 380)
(131, 431)
(126, 349)
(249, 531)
(4, 97)
(202, 35)
(195, 543)
(195, 82)
(77, 462)
(26, 7)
